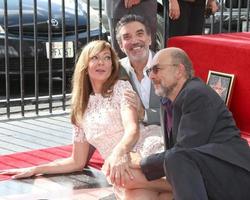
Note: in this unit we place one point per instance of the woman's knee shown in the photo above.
(143, 194)
(139, 194)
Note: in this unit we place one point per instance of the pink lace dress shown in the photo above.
(102, 125)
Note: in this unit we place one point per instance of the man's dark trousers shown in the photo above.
(198, 176)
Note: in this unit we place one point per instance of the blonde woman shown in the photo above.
(101, 116)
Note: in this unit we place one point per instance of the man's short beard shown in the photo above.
(137, 58)
(165, 91)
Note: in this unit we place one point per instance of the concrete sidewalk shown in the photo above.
(28, 133)
(36, 132)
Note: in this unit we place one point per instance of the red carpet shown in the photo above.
(246, 136)
(35, 157)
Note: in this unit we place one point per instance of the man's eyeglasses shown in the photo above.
(156, 68)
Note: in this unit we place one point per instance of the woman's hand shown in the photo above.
(116, 167)
(19, 173)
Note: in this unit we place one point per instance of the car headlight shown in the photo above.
(94, 22)
(2, 31)
(93, 16)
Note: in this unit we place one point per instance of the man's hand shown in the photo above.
(135, 160)
(130, 3)
(213, 5)
(174, 9)
(134, 101)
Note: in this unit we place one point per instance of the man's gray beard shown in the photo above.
(165, 91)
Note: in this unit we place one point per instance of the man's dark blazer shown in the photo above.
(201, 121)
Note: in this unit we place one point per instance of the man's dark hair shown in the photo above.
(128, 19)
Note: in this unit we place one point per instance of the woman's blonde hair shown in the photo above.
(81, 85)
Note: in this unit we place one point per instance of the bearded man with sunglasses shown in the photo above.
(205, 157)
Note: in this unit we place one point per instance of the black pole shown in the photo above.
(166, 22)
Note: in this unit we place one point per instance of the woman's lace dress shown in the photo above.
(102, 124)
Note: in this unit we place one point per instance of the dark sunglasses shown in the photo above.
(156, 68)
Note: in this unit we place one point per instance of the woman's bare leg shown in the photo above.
(139, 187)
(140, 182)
(142, 189)
(165, 196)
(140, 194)
(144, 194)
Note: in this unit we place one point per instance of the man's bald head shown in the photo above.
(177, 56)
